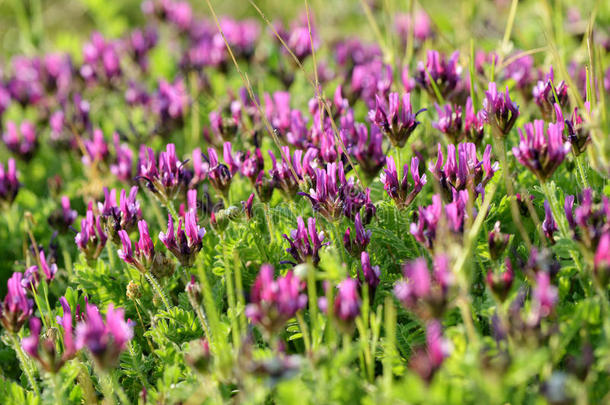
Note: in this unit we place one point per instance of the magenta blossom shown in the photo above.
(305, 242)
(370, 274)
(501, 111)
(9, 185)
(400, 190)
(396, 118)
(445, 74)
(167, 180)
(449, 121)
(541, 151)
(346, 306)
(105, 340)
(274, 302)
(184, 243)
(16, 308)
(21, 140)
(91, 239)
(361, 240)
(424, 293)
(463, 171)
(42, 348)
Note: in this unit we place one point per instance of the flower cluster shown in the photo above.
(425, 294)
(426, 228)
(305, 242)
(400, 190)
(463, 171)
(541, 151)
(395, 119)
(274, 301)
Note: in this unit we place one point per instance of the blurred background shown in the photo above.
(63, 25)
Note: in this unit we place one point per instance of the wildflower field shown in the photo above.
(304, 201)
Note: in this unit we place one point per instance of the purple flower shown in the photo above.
(588, 221)
(274, 302)
(184, 243)
(122, 168)
(549, 226)
(25, 86)
(423, 293)
(125, 216)
(22, 141)
(64, 217)
(139, 43)
(44, 351)
(222, 128)
(105, 340)
(101, 60)
(427, 362)
(169, 103)
(247, 206)
(577, 132)
(463, 171)
(449, 121)
(201, 167)
(520, 70)
(91, 239)
(446, 74)
(169, 179)
(48, 270)
(396, 119)
(241, 35)
(16, 308)
(500, 284)
(370, 274)
(219, 173)
(361, 240)
(501, 111)
(544, 295)
(421, 26)
(283, 176)
(368, 151)
(541, 151)
(401, 191)
(305, 242)
(142, 257)
(96, 148)
(601, 260)
(497, 241)
(326, 198)
(346, 307)
(474, 124)
(9, 185)
(424, 230)
(31, 278)
(298, 38)
(370, 80)
(545, 92)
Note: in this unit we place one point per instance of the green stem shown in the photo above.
(170, 207)
(56, 385)
(581, 171)
(239, 291)
(390, 344)
(119, 390)
(24, 363)
(235, 333)
(304, 332)
(155, 285)
(106, 385)
(313, 304)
